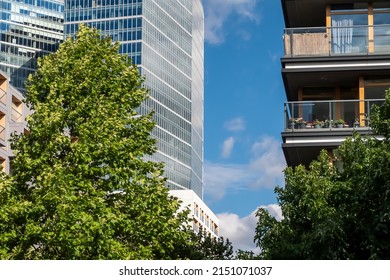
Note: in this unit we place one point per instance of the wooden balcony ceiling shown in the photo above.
(293, 81)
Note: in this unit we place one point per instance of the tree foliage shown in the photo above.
(335, 213)
(246, 255)
(202, 245)
(207, 247)
(80, 188)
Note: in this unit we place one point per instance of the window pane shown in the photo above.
(349, 33)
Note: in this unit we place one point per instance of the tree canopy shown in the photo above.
(335, 213)
(207, 247)
(80, 187)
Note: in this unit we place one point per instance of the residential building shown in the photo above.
(200, 215)
(336, 66)
(13, 114)
(165, 39)
(28, 29)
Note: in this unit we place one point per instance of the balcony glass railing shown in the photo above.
(328, 115)
(331, 41)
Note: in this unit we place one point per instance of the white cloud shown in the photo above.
(227, 147)
(217, 13)
(268, 161)
(274, 210)
(237, 124)
(263, 170)
(222, 177)
(241, 231)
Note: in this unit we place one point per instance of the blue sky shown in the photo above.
(244, 97)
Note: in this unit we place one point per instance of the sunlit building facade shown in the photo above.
(28, 29)
(13, 114)
(200, 215)
(165, 39)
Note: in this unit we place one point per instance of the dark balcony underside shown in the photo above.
(331, 72)
(302, 155)
(303, 146)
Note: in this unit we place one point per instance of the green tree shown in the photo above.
(203, 246)
(207, 247)
(80, 188)
(246, 255)
(335, 213)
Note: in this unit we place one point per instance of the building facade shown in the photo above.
(200, 215)
(165, 39)
(13, 114)
(336, 66)
(28, 29)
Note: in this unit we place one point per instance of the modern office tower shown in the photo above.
(335, 67)
(13, 114)
(165, 39)
(28, 30)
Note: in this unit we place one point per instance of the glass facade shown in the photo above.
(165, 39)
(28, 30)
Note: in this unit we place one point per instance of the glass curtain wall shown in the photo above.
(165, 39)
(28, 30)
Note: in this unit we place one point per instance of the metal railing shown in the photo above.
(329, 114)
(332, 41)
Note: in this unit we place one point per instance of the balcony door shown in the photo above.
(319, 107)
(374, 89)
(330, 103)
(360, 28)
(382, 27)
(349, 30)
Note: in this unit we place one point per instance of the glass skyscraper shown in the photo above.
(28, 29)
(165, 39)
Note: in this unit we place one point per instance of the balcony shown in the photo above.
(336, 41)
(329, 115)
(3, 97)
(16, 116)
(311, 126)
(2, 136)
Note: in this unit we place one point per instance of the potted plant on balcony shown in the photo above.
(291, 123)
(339, 123)
(356, 123)
(296, 123)
(300, 123)
(327, 123)
(317, 123)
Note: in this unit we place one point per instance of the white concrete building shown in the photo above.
(202, 216)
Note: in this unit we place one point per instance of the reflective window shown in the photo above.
(349, 33)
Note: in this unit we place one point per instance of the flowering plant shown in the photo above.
(297, 120)
(327, 123)
(317, 122)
